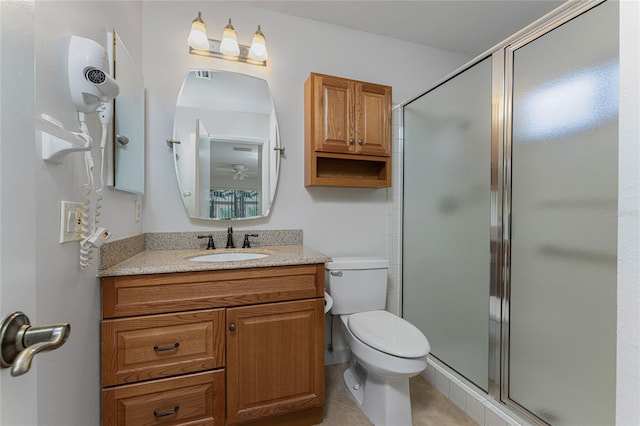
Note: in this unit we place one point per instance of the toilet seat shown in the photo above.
(389, 333)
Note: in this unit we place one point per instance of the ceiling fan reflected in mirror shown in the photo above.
(240, 171)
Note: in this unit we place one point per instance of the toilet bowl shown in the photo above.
(386, 350)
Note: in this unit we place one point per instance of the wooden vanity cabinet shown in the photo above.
(347, 132)
(214, 347)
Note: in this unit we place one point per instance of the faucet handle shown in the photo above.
(247, 243)
(210, 244)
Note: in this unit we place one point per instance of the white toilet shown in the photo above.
(385, 349)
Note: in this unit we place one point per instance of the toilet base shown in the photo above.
(385, 401)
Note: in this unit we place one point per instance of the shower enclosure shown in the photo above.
(509, 218)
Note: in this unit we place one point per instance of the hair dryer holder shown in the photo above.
(57, 142)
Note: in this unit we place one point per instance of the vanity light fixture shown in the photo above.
(258, 50)
(229, 45)
(227, 48)
(198, 36)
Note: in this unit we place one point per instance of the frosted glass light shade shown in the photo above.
(229, 45)
(198, 36)
(258, 49)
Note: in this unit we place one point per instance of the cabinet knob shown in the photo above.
(232, 327)
(352, 141)
(360, 142)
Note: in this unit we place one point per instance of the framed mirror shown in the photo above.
(226, 145)
(126, 159)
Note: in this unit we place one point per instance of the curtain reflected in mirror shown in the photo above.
(230, 170)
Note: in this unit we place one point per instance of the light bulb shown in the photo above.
(229, 45)
(198, 36)
(258, 49)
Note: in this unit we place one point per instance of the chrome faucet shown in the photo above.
(230, 238)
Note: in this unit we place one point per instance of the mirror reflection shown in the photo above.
(230, 170)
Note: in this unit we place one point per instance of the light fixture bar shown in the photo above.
(214, 52)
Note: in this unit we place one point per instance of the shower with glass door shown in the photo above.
(509, 225)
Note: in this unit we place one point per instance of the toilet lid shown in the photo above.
(389, 333)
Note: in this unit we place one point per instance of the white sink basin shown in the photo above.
(227, 257)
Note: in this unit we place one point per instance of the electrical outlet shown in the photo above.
(70, 221)
(138, 210)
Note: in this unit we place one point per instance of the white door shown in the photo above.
(18, 395)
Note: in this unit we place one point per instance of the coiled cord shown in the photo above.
(89, 221)
(86, 227)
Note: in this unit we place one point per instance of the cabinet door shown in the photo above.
(332, 112)
(373, 119)
(275, 359)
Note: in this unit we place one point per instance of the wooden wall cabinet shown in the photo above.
(347, 132)
(214, 347)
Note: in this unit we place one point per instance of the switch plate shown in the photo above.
(70, 221)
(138, 210)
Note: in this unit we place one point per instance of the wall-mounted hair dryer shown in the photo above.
(88, 70)
(92, 90)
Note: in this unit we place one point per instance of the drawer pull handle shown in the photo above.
(166, 348)
(158, 414)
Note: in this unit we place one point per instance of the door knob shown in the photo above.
(20, 341)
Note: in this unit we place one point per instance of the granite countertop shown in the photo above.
(167, 261)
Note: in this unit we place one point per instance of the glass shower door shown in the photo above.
(562, 304)
(446, 222)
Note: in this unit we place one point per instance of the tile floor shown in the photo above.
(429, 406)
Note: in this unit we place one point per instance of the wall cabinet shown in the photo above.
(347, 132)
(214, 347)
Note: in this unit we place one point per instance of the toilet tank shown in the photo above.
(356, 284)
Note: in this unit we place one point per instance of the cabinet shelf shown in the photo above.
(344, 170)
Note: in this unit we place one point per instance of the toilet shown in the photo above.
(386, 350)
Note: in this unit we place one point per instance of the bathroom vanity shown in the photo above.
(213, 343)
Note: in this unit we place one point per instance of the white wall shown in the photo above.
(17, 224)
(628, 345)
(68, 379)
(336, 221)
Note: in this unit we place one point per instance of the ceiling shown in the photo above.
(469, 27)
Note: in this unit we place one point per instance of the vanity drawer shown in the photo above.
(150, 294)
(143, 348)
(194, 400)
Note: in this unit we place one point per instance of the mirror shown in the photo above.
(127, 155)
(226, 145)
